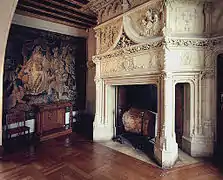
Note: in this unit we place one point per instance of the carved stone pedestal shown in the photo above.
(198, 146)
(102, 133)
(166, 154)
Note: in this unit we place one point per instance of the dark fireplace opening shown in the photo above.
(136, 112)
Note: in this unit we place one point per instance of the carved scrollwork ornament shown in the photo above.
(124, 42)
(127, 64)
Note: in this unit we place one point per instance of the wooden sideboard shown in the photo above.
(50, 121)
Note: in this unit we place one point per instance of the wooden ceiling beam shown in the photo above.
(53, 15)
(80, 1)
(66, 14)
(69, 8)
(25, 13)
(75, 3)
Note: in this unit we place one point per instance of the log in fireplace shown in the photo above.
(136, 114)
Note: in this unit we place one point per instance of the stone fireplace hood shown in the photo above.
(142, 46)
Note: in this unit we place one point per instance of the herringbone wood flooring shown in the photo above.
(72, 158)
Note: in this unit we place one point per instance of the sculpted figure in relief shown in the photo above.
(150, 23)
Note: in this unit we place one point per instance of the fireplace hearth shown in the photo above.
(136, 110)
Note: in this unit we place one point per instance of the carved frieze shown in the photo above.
(150, 60)
(203, 43)
(108, 35)
(130, 50)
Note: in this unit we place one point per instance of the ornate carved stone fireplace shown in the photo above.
(162, 44)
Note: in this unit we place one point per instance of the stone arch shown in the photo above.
(7, 10)
(192, 94)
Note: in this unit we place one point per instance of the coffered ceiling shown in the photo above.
(75, 13)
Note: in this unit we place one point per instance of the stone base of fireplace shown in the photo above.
(166, 157)
(198, 147)
(126, 148)
(102, 132)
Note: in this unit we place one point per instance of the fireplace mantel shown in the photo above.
(155, 44)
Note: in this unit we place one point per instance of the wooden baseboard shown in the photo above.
(55, 135)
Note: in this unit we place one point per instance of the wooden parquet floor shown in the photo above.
(72, 158)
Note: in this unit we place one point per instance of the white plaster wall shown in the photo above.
(48, 26)
(7, 9)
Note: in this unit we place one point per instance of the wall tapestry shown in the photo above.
(39, 67)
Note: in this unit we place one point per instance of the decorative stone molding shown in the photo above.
(130, 50)
(196, 43)
(126, 63)
(108, 35)
(172, 2)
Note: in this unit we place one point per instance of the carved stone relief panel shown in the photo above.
(108, 35)
(184, 59)
(146, 62)
(185, 17)
(144, 23)
(111, 9)
(107, 9)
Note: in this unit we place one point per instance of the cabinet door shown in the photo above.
(49, 120)
(60, 117)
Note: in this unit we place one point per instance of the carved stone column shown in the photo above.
(166, 148)
(105, 95)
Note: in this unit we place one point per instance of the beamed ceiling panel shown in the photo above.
(69, 12)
